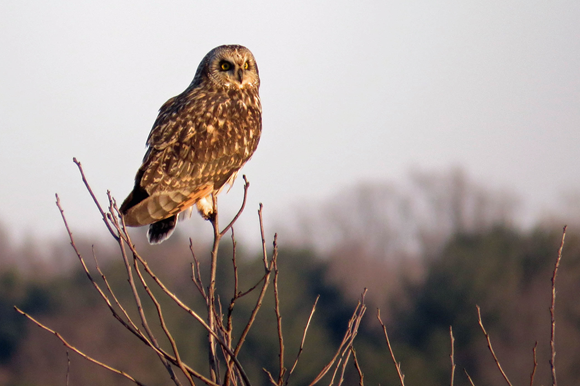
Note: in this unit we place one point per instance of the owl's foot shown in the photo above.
(205, 208)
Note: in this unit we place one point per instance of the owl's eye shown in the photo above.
(246, 66)
(225, 66)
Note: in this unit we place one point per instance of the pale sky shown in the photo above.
(351, 91)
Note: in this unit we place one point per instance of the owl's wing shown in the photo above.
(189, 157)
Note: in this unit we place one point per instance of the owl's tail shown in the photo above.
(161, 230)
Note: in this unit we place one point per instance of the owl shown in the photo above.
(199, 141)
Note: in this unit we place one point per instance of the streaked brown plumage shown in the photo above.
(198, 143)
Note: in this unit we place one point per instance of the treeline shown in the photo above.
(429, 282)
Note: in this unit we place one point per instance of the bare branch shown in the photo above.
(468, 377)
(264, 251)
(535, 364)
(68, 345)
(270, 377)
(212, 354)
(303, 339)
(183, 306)
(142, 316)
(252, 288)
(357, 366)
(110, 290)
(180, 364)
(90, 190)
(344, 363)
(397, 364)
(196, 273)
(131, 326)
(335, 371)
(67, 367)
(490, 347)
(260, 296)
(116, 226)
(552, 311)
(279, 325)
(452, 355)
(242, 207)
(164, 357)
(229, 326)
(347, 340)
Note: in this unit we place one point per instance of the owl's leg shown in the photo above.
(206, 208)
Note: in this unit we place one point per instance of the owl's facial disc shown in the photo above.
(236, 72)
(230, 66)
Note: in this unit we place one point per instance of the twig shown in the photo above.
(264, 251)
(357, 366)
(163, 356)
(397, 364)
(490, 347)
(344, 363)
(242, 207)
(259, 301)
(195, 272)
(213, 359)
(90, 190)
(340, 361)
(180, 364)
(469, 378)
(552, 311)
(266, 279)
(130, 327)
(252, 288)
(535, 364)
(67, 367)
(182, 305)
(452, 355)
(347, 340)
(68, 345)
(303, 339)
(279, 326)
(110, 290)
(116, 226)
(270, 377)
(229, 322)
(229, 326)
(142, 316)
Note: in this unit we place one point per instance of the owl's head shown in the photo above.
(230, 66)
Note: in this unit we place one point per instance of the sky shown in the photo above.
(352, 91)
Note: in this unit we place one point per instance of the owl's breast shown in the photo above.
(233, 123)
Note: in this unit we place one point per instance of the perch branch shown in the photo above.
(211, 319)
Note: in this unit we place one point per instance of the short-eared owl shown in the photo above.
(198, 143)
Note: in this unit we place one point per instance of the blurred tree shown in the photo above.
(507, 273)
(411, 218)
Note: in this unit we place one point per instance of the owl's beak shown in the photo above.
(240, 75)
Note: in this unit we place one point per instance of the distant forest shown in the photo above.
(428, 251)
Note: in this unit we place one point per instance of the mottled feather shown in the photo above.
(199, 141)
